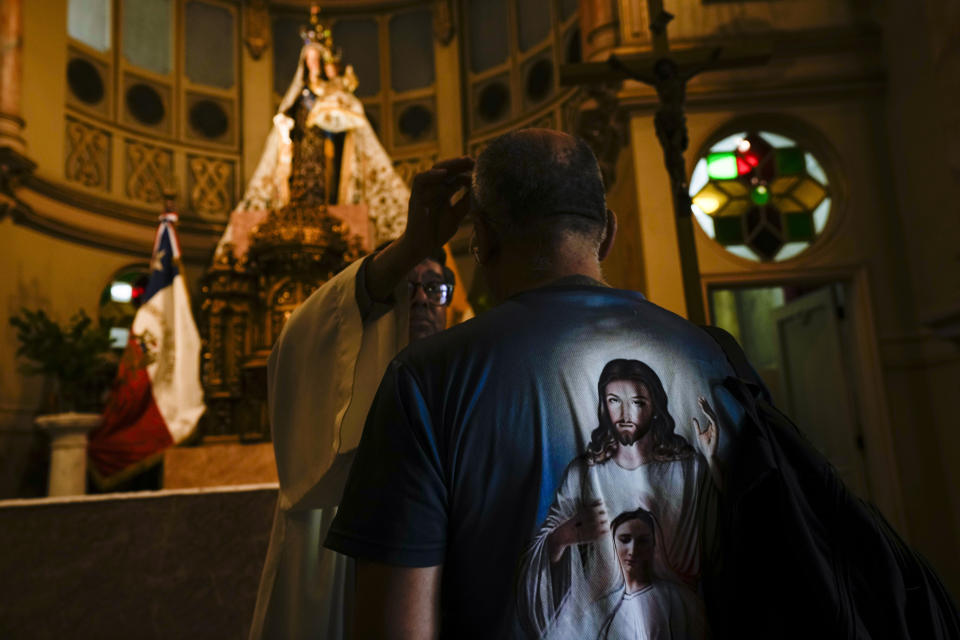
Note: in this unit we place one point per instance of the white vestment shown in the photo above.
(322, 376)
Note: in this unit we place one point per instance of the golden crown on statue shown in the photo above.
(320, 36)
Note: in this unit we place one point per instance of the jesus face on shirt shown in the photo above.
(629, 408)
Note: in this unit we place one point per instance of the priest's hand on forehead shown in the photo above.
(438, 203)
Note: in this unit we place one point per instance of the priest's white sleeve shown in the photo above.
(322, 376)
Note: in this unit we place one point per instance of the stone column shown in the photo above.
(68, 451)
(11, 43)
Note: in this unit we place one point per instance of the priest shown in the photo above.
(322, 375)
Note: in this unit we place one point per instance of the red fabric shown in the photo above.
(132, 428)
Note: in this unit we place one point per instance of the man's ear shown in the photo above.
(609, 235)
(488, 242)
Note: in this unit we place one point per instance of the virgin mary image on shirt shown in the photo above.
(571, 576)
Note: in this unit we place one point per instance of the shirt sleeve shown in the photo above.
(394, 507)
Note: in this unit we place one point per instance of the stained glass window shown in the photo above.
(760, 195)
(89, 22)
(210, 45)
(148, 34)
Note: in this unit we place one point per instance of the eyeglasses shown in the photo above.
(438, 293)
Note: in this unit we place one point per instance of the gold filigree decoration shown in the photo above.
(211, 186)
(88, 155)
(149, 171)
(409, 167)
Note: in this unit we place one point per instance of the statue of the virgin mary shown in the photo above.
(322, 151)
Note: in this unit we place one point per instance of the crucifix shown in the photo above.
(668, 72)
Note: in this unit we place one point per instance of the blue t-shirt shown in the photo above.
(499, 448)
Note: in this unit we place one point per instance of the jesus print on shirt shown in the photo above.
(573, 584)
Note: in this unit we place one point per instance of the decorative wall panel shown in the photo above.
(149, 170)
(211, 184)
(88, 155)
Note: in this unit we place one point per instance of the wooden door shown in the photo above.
(816, 382)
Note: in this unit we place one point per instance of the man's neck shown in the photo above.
(514, 276)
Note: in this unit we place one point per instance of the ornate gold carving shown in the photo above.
(409, 167)
(211, 186)
(246, 303)
(88, 155)
(149, 171)
(257, 28)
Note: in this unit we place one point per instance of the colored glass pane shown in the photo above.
(783, 184)
(411, 40)
(743, 251)
(814, 169)
(89, 22)
(766, 243)
(821, 214)
(809, 193)
(751, 158)
(705, 221)
(148, 34)
(742, 167)
(776, 141)
(210, 44)
(710, 199)
(790, 250)
(734, 188)
(722, 166)
(728, 230)
(760, 195)
(735, 207)
(788, 205)
(730, 143)
(800, 226)
(790, 162)
(699, 177)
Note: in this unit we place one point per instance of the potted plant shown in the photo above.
(78, 361)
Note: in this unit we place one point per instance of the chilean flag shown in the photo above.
(156, 399)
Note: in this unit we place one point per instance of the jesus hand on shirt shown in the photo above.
(588, 525)
(709, 437)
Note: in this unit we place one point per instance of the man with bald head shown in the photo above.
(454, 489)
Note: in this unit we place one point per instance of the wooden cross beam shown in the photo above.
(668, 72)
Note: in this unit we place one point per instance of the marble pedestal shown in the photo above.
(68, 451)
